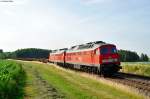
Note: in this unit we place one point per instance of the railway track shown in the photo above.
(141, 83)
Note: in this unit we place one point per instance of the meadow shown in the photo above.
(48, 80)
(141, 68)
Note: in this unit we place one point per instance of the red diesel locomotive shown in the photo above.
(98, 57)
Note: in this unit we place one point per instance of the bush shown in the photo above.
(12, 79)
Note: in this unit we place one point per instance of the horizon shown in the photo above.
(58, 24)
(69, 47)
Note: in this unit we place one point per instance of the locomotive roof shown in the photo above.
(87, 46)
(82, 47)
(58, 51)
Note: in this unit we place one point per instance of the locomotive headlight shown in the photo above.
(109, 60)
(115, 60)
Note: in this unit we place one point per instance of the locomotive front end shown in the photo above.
(109, 60)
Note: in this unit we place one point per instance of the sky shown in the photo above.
(54, 24)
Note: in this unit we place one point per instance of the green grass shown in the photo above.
(30, 88)
(11, 80)
(75, 86)
(136, 68)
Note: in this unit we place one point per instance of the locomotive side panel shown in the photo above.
(57, 58)
(96, 57)
(81, 58)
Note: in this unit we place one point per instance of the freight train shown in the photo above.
(98, 57)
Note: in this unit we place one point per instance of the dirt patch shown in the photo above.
(39, 88)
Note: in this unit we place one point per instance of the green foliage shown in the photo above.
(144, 57)
(2, 56)
(26, 53)
(11, 79)
(1, 51)
(6, 55)
(128, 56)
(32, 53)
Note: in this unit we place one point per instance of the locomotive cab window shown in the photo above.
(104, 50)
(108, 50)
(113, 50)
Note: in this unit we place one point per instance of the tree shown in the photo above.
(2, 56)
(144, 57)
(1, 51)
(26, 53)
(32, 53)
(128, 56)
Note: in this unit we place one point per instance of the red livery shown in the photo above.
(98, 57)
(57, 56)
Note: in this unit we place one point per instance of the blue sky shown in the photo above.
(53, 24)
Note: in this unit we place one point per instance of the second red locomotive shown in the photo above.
(98, 57)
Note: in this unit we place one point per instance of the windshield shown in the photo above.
(108, 50)
(113, 50)
(104, 50)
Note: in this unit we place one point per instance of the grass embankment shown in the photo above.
(36, 86)
(71, 85)
(12, 79)
(136, 68)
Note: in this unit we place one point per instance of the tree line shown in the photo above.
(131, 56)
(26, 53)
(125, 55)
